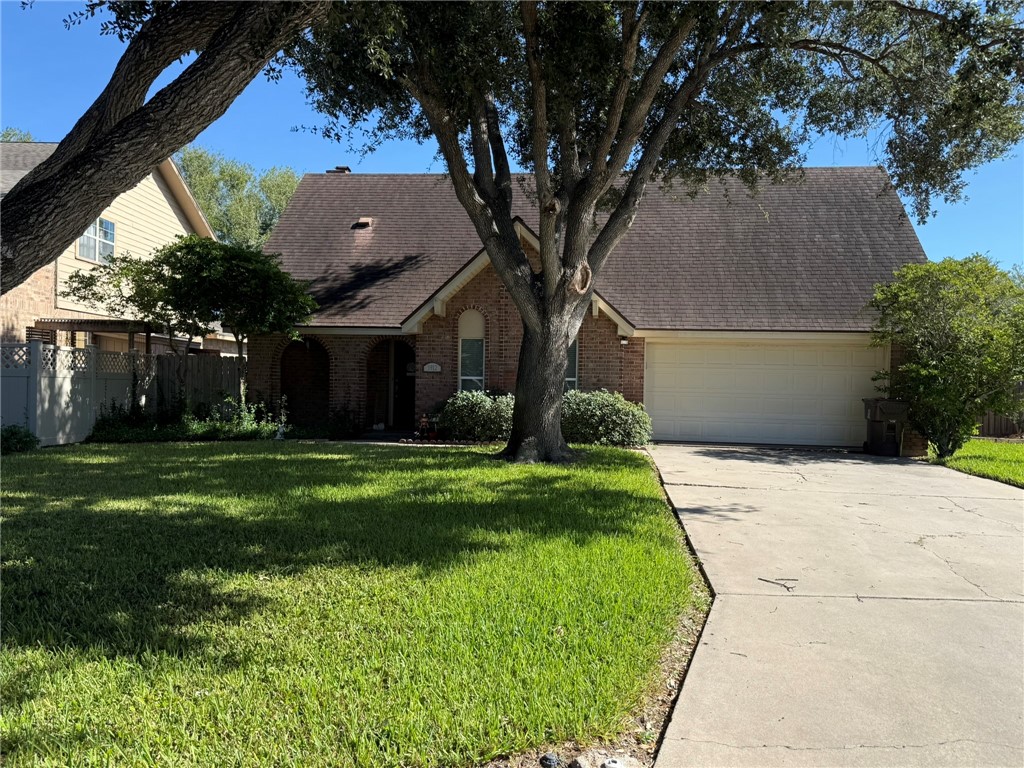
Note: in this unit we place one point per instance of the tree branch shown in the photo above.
(51, 206)
(546, 202)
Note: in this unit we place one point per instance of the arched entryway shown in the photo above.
(391, 385)
(306, 382)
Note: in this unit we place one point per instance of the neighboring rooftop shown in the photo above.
(797, 256)
(18, 158)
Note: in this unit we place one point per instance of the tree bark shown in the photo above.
(537, 416)
(243, 370)
(120, 139)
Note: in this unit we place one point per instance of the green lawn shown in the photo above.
(316, 604)
(985, 458)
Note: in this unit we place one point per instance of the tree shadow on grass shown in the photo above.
(135, 559)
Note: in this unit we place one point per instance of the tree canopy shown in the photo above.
(126, 132)
(960, 328)
(194, 284)
(598, 100)
(14, 134)
(242, 206)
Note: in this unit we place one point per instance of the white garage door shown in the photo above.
(792, 393)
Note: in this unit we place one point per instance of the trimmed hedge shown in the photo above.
(597, 418)
(477, 416)
(604, 418)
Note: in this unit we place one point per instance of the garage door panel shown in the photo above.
(763, 393)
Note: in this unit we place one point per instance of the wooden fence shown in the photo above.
(209, 379)
(998, 424)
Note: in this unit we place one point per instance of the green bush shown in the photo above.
(604, 418)
(226, 421)
(477, 416)
(344, 424)
(15, 438)
(598, 418)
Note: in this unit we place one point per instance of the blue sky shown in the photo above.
(50, 75)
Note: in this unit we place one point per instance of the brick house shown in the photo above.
(148, 216)
(732, 318)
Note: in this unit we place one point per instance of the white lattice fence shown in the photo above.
(58, 392)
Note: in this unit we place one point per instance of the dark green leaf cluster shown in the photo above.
(958, 329)
(194, 282)
(941, 83)
(15, 438)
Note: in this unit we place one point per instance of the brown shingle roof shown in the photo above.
(798, 256)
(18, 158)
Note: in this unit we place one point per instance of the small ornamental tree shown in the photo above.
(193, 283)
(162, 291)
(960, 327)
(247, 292)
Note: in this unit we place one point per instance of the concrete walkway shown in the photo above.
(867, 612)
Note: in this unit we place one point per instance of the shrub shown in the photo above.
(15, 438)
(228, 420)
(477, 416)
(599, 418)
(604, 418)
(960, 324)
(344, 424)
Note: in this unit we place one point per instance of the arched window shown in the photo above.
(471, 350)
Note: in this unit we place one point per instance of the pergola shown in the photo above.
(75, 324)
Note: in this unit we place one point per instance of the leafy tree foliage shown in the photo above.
(247, 292)
(189, 286)
(598, 100)
(127, 132)
(14, 134)
(165, 292)
(960, 325)
(242, 206)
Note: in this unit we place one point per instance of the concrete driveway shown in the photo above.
(867, 612)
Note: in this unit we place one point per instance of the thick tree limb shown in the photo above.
(496, 232)
(548, 205)
(117, 146)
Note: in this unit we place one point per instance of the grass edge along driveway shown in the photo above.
(320, 604)
(996, 460)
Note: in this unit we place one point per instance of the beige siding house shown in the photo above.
(144, 218)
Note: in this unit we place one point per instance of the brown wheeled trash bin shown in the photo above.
(886, 420)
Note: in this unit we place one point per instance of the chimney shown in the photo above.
(339, 169)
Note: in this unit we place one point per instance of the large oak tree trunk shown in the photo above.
(537, 417)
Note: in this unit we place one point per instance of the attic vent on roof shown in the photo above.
(363, 222)
(339, 169)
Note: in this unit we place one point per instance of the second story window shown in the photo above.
(97, 244)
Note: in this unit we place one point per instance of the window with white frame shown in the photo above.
(471, 350)
(572, 370)
(97, 244)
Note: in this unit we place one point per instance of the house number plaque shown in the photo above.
(432, 368)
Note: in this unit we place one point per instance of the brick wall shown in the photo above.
(348, 367)
(603, 361)
(33, 299)
(914, 443)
